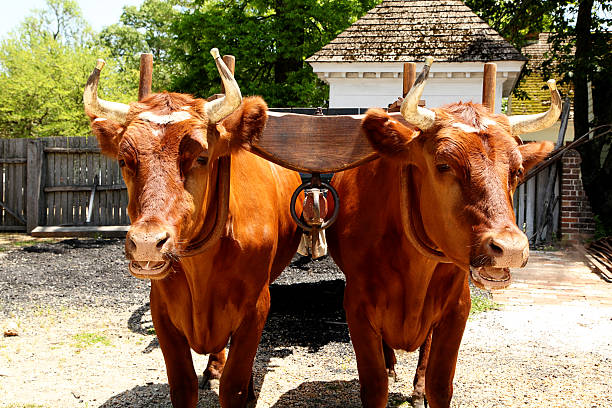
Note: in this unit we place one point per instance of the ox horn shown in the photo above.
(532, 123)
(220, 108)
(95, 106)
(422, 118)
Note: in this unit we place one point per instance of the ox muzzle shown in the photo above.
(498, 251)
(148, 247)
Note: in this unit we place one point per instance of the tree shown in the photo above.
(581, 54)
(44, 66)
(269, 38)
(145, 29)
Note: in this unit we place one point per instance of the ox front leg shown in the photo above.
(236, 387)
(182, 377)
(368, 345)
(446, 339)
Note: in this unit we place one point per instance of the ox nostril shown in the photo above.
(162, 242)
(495, 249)
(131, 245)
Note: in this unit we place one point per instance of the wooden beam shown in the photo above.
(488, 86)
(72, 150)
(14, 161)
(303, 143)
(146, 76)
(34, 180)
(408, 77)
(73, 188)
(112, 231)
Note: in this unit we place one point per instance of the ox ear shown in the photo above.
(109, 135)
(244, 127)
(534, 153)
(386, 135)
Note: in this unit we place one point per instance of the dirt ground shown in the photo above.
(86, 339)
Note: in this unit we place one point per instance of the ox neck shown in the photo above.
(412, 222)
(217, 209)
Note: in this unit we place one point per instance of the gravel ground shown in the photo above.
(86, 340)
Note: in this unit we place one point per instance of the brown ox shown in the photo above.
(210, 243)
(435, 209)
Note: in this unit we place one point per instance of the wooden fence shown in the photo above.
(529, 198)
(64, 186)
(55, 186)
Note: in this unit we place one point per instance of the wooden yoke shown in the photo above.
(314, 144)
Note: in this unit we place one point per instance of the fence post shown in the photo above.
(34, 183)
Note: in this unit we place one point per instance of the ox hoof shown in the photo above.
(392, 374)
(209, 384)
(418, 403)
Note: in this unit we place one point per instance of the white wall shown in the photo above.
(362, 85)
(380, 92)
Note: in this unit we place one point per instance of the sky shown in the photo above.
(98, 13)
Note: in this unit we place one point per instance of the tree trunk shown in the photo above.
(596, 163)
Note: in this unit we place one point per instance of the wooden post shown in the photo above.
(34, 182)
(409, 77)
(488, 86)
(230, 61)
(146, 76)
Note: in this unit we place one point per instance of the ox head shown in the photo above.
(460, 166)
(174, 153)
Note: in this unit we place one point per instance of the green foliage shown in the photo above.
(44, 66)
(270, 40)
(83, 340)
(482, 303)
(145, 29)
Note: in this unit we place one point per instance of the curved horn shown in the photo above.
(422, 118)
(532, 123)
(220, 108)
(95, 106)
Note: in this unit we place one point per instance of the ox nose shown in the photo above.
(147, 243)
(507, 248)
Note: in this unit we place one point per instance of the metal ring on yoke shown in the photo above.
(327, 223)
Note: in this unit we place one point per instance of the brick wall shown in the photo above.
(576, 217)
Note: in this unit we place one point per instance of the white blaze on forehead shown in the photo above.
(174, 117)
(465, 128)
(486, 122)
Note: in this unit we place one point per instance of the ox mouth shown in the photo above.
(150, 269)
(490, 278)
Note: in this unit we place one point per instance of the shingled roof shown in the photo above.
(408, 31)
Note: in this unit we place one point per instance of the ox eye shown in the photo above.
(203, 160)
(443, 167)
(121, 163)
(519, 173)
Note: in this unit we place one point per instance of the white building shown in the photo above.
(363, 65)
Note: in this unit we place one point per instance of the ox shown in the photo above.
(207, 226)
(414, 225)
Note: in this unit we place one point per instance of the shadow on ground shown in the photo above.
(321, 394)
(303, 314)
(156, 395)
